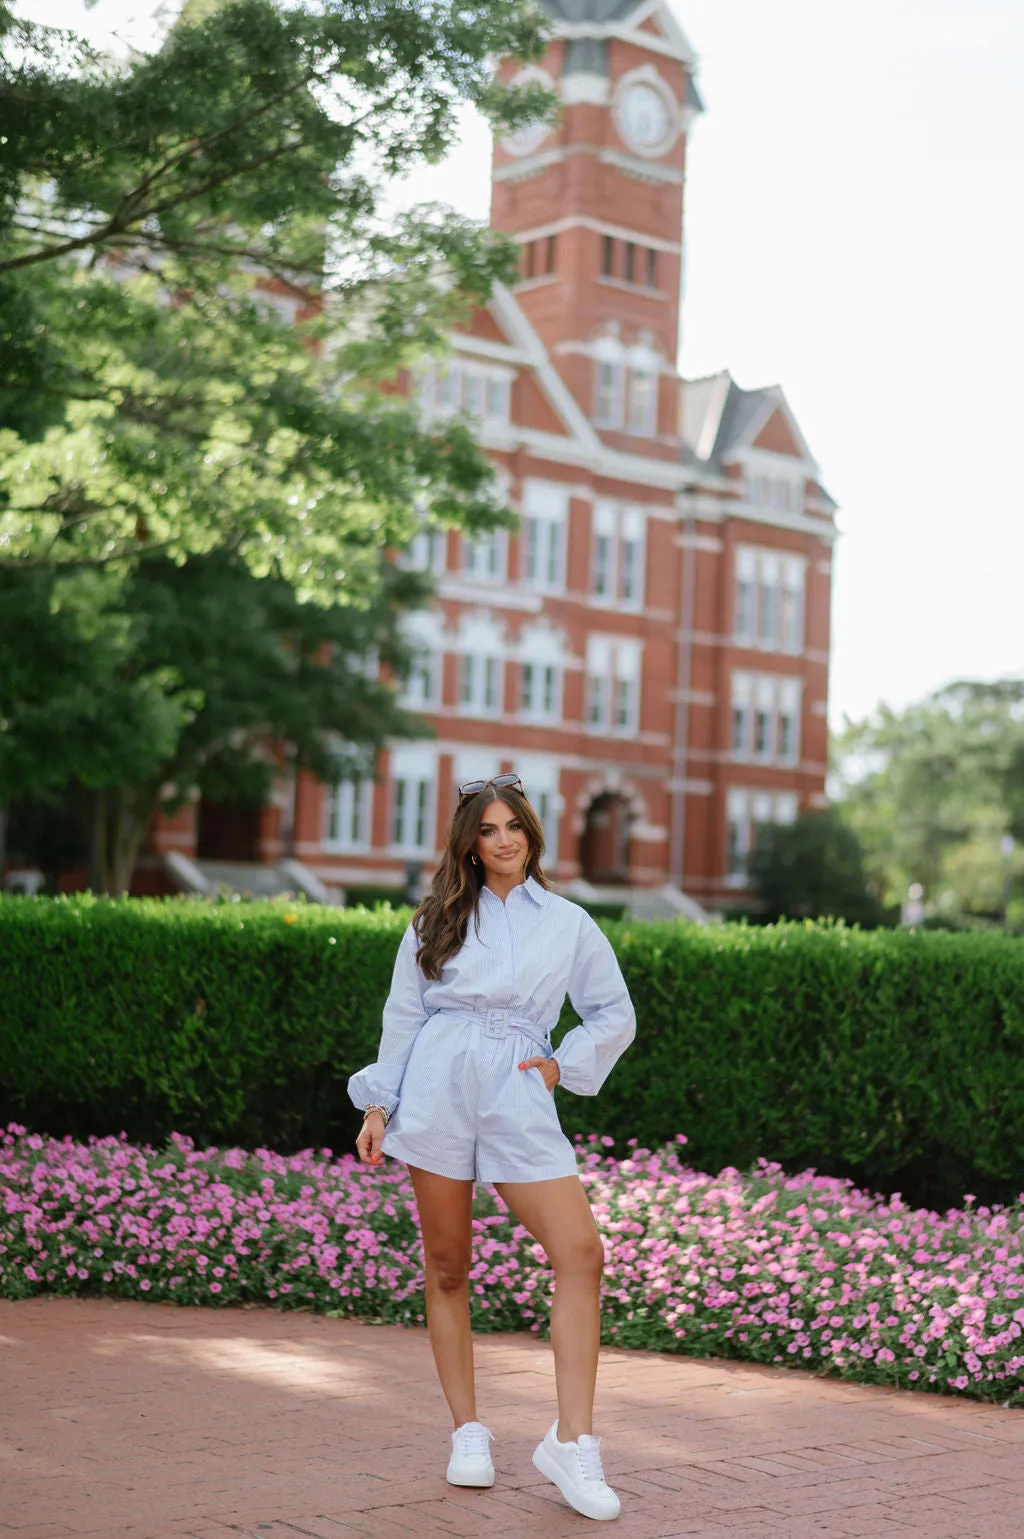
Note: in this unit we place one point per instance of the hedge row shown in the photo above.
(892, 1057)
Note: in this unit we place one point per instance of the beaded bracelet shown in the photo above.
(383, 1111)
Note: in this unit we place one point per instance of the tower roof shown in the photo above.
(589, 10)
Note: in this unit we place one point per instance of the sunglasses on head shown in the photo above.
(471, 788)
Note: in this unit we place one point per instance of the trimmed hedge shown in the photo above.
(895, 1058)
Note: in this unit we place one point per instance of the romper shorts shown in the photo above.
(467, 1111)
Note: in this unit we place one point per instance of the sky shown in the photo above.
(853, 234)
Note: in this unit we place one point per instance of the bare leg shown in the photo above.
(558, 1214)
(446, 1218)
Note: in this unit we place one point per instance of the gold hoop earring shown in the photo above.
(475, 859)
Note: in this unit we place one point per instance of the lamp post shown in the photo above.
(413, 882)
(1007, 846)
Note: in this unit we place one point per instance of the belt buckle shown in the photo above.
(497, 1023)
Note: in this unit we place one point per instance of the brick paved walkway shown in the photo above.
(135, 1421)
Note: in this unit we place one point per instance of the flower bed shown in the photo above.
(801, 1270)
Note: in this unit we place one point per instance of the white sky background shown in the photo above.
(855, 233)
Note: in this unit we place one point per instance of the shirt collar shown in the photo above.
(533, 888)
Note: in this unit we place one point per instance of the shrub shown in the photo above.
(892, 1057)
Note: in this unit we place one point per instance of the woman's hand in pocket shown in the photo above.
(550, 1072)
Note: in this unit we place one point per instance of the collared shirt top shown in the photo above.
(531, 950)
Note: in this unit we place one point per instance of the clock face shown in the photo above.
(527, 138)
(644, 117)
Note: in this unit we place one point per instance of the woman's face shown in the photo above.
(502, 844)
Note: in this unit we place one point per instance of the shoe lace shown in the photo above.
(590, 1457)
(473, 1438)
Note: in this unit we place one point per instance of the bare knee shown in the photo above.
(448, 1271)
(583, 1258)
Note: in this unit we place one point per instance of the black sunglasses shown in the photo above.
(471, 788)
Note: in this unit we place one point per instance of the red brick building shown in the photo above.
(651, 650)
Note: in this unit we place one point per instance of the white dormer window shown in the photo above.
(625, 386)
(776, 493)
(609, 393)
(643, 402)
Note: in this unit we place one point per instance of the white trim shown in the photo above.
(530, 165)
(713, 510)
(495, 597)
(484, 347)
(674, 34)
(642, 170)
(584, 87)
(675, 46)
(600, 227)
(514, 321)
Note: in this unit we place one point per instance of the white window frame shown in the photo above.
(344, 802)
(769, 599)
(642, 414)
(545, 525)
(746, 810)
(481, 390)
(615, 530)
(427, 551)
(540, 690)
(770, 698)
(481, 684)
(609, 392)
(412, 800)
(614, 673)
(485, 558)
(423, 631)
(540, 775)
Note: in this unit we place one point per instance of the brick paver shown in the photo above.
(135, 1421)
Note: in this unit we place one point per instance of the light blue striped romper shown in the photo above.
(447, 1068)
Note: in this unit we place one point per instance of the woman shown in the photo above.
(463, 1091)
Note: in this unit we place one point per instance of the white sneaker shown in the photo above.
(576, 1470)
(470, 1463)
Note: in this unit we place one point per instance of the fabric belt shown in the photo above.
(499, 1023)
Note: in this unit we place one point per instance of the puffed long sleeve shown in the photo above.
(597, 990)
(380, 1083)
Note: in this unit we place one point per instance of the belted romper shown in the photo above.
(447, 1070)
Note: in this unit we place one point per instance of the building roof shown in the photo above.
(589, 10)
(718, 419)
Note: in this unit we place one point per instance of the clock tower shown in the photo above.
(596, 202)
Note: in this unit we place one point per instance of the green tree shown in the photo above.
(72, 705)
(932, 789)
(156, 214)
(249, 679)
(813, 869)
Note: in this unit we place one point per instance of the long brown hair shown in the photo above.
(442, 918)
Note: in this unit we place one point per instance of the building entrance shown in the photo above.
(228, 831)
(604, 846)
